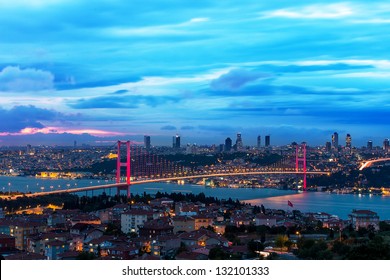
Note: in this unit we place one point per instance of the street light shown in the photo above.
(9, 188)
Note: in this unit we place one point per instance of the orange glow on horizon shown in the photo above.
(59, 130)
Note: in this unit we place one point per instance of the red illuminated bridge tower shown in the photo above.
(126, 164)
(300, 157)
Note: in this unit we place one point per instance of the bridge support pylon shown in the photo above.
(126, 164)
(300, 157)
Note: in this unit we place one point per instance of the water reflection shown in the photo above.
(337, 204)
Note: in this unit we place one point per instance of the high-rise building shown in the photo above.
(176, 142)
(239, 143)
(28, 149)
(369, 145)
(328, 146)
(386, 145)
(258, 142)
(335, 141)
(147, 142)
(348, 141)
(228, 144)
(267, 140)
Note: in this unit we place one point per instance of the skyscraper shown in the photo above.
(176, 141)
(147, 142)
(369, 145)
(267, 140)
(228, 144)
(348, 141)
(335, 141)
(258, 142)
(328, 146)
(386, 145)
(239, 143)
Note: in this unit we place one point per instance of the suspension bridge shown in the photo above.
(135, 165)
(371, 162)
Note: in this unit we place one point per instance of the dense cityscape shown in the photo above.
(174, 225)
(194, 130)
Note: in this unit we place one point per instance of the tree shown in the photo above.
(309, 249)
(384, 226)
(255, 246)
(217, 253)
(331, 234)
(280, 241)
(86, 256)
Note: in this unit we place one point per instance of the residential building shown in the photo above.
(156, 227)
(202, 221)
(134, 218)
(364, 219)
(7, 243)
(54, 248)
(265, 220)
(21, 230)
(183, 224)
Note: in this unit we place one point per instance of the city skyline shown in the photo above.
(70, 72)
(226, 145)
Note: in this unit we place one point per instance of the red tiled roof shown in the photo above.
(139, 212)
(55, 243)
(364, 212)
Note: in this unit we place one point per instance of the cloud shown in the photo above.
(21, 117)
(187, 127)
(122, 101)
(121, 91)
(84, 82)
(15, 79)
(311, 68)
(236, 79)
(168, 127)
(318, 11)
(32, 3)
(66, 139)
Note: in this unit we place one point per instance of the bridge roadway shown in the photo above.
(156, 180)
(369, 162)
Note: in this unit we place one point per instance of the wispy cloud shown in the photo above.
(15, 79)
(182, 28)
(236, 79)
(317, 11)
(122, 101)
(168, 127)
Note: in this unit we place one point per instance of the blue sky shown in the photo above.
(95, 72)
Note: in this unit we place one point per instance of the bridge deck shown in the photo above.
(156, 180)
